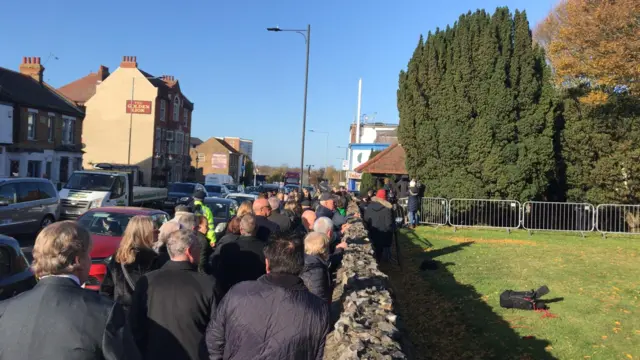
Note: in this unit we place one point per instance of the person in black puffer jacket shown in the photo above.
(274, 317)
(380, 222)
(134, 258)
(413, 204)
(315, 274)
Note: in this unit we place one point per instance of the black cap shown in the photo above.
(199, 194)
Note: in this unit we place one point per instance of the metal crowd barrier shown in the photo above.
(618, 219)
(401, 210)
(434, 211)
(499, 214)
(531, 215)
(558, 216)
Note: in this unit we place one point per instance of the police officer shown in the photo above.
(200, 208)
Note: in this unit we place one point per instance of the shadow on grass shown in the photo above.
(449, 320)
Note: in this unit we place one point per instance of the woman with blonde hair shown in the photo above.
(135, 257)
(244, 208)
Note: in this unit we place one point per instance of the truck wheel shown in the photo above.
(48, 220)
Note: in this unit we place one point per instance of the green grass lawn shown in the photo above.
(454, 312)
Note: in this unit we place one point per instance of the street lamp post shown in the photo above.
(307, 39)
(308, 175)
(326, 162)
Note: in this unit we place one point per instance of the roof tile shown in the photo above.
(389, 161)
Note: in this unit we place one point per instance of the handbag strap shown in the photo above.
(127, 277)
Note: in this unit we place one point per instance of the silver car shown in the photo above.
(27, 205)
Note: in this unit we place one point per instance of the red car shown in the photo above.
(107, 225)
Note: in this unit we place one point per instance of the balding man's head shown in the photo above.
(261, 207)
(308, 219)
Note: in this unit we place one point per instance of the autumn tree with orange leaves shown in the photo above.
(594, 44)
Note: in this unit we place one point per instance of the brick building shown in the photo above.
(157, 119)
(215, 156)
(40, 129)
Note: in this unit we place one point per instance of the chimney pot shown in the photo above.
(31, 67)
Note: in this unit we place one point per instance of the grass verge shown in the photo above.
(454, 313)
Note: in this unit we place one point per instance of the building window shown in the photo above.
(63, 171)
(33, 168)
(47, 172)
(68, 130)
(77, 166)
(156, 147)
(179, 143)
(186, 144)
(163, 109)
(176, 108)
(177, 173)
(171, 142)
(51, 122)
(31, 125)
(185, 117)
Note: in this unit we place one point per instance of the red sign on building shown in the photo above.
(139, 107)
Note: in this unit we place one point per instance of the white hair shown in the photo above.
(165, 230)
(187, 220)
(274, 202)
(323, 225)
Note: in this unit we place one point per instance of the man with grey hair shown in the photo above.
(241, 259)
(324, 225)
(191, 221)
(58, 319)
(277, 217)
(172, 306)
(160, 246)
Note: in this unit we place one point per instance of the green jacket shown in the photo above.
(203, 209)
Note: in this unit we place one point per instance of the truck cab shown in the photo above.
(90, 189)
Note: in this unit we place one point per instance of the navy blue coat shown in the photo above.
(414, 200)
(316, 277)
(274, 317)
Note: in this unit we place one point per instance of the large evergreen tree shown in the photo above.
(477, 111)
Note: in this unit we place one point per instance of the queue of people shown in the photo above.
(260, 291)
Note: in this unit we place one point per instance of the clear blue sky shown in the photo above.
(245, 81)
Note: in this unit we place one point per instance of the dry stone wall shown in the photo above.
(365, 322)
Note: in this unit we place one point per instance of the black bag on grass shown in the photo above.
(525, 300)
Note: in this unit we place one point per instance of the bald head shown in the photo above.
(308, 219)
(261, 207)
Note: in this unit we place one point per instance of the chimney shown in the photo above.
(31, 67)
(103, 72)
(129, 62)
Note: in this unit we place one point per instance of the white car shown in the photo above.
(240, 197)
